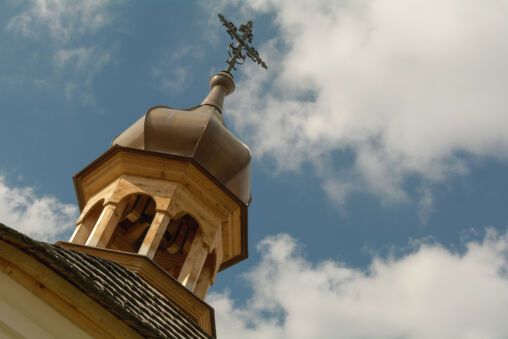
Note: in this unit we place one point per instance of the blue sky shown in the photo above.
(379, 134)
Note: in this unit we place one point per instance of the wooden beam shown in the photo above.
(80, 235)
(106, 224)
(193, 264)
(204, 282)
(154, 236)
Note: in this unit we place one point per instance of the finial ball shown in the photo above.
(223, 79)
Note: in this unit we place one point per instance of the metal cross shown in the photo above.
(235, 52)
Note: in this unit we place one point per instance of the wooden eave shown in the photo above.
(190, 304)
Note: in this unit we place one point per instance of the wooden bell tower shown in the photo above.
(169, 200)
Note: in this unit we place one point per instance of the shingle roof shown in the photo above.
(117, 289)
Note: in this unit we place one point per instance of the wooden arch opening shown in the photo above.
(133, 225)
(175, 244)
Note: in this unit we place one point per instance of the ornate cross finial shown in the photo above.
(235, 52)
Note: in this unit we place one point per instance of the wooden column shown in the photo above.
(105, 226)
(85, 224)
(204, 282)
(193, 263)
(154, 235)
(81, 234)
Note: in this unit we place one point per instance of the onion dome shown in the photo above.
(198, 133)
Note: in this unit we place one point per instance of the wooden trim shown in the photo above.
(116, 149)
(188, 302)
(244, 241)
(61, 295)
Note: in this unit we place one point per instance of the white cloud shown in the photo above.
(172, 70)
(429, 293)
(61, 19)
(88, 61)
(82, 64)
(411, 88)
(41, 217)
(62, 25)
(80, 57)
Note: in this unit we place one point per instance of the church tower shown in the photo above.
(173, 187)
(169, 199)
(163, 211)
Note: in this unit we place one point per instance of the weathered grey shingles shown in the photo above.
(113, 286)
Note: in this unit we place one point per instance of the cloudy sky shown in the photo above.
(379, 134)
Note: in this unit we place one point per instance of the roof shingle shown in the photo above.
(113, 286)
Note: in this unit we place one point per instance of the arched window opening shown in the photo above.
(133, 224)
(176, 243)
